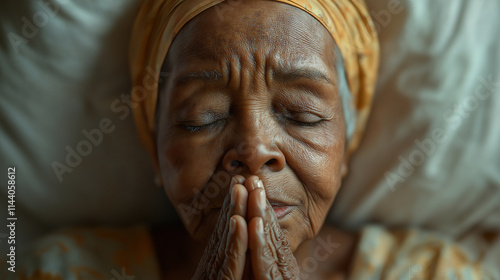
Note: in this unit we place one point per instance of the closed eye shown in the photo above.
(198, 128)
(209, 120)
(304, 118)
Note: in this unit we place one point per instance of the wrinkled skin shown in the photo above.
(270, 253)
(251, 95)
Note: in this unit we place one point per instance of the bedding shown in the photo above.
(430, 156)
(431, 147)
(128, 253)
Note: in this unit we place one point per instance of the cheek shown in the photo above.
(186, 167)
(323, 192)
(318, 160)
(318, 164)
(329, 171)
(325, 168)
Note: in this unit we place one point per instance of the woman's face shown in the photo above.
(252, 90)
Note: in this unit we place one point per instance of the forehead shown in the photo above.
(268, 28)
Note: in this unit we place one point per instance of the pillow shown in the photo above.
(431, 155)
(66, 123)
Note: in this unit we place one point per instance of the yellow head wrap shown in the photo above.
(159, 21)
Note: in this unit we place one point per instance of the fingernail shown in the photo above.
(232, 225)
(255, 184)
(260, 184)
(262, 199)
(260, 226)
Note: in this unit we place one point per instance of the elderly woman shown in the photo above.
(254, 92)
(250, 110)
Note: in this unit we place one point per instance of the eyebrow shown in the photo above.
(289, 75)
(282, 75)
(203, 75)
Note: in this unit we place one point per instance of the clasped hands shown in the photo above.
(247, 241)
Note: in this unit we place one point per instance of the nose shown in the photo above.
(253, 154)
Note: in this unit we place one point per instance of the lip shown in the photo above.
(281, 209)
(281, 212)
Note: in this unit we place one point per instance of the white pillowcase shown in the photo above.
(64, 75)
(431, 154)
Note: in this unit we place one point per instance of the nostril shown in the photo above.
(271, 161)
(236, 163)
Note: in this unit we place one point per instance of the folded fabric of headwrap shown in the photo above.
(159, 21)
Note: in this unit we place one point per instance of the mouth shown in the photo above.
(280, 209)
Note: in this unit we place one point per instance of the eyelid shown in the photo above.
(298, 115)
(202, 117)
(196, 128)
(214, 119)
(296, 119)
(213, 126)
(302, 113)
(301, 107)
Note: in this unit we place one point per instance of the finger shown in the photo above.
(237, 179)
(263, 259)
(274, 237)
(235, 204)
(238, 196)
(239, 200)
(252, 183)
(263, 249)
(258, 206)
(270, 259)
(215, 252)
(236, 207)
(236, 247)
